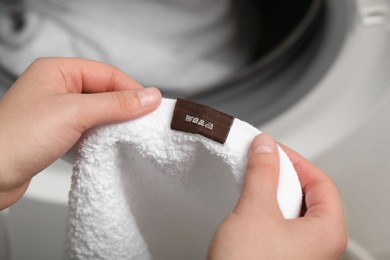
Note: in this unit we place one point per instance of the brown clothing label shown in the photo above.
(191, 117)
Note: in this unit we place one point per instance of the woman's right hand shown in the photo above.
(256, 229)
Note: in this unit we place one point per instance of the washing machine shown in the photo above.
(314, 73)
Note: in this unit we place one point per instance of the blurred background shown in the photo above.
(313, 73)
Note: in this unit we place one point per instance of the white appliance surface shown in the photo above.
(342, 125)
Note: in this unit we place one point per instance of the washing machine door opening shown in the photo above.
(247, 58)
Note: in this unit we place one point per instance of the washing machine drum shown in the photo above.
(224, 53)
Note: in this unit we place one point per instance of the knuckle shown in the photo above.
(48, 62)
(271, 167)
(125, 100)
(41, 61)
(264, 165)
(43, 64)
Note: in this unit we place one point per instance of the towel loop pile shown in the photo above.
(141, 190)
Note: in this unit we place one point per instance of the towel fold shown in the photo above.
(141, 190)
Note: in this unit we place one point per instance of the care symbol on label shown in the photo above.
(199, 121)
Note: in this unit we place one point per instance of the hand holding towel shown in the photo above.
(141, 190)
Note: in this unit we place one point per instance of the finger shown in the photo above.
(261, 180)
(82, 75)
(9, 197)
(103, 108)
(321, 195)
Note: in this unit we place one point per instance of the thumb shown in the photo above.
(259, 192)
(110, 107)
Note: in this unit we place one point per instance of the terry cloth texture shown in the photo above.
(141, 190)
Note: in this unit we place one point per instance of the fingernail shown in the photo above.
(263, 143)
(148, 96)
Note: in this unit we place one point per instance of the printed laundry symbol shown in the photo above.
(199, 121)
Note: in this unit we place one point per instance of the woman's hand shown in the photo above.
(48, 108)
(256, 228)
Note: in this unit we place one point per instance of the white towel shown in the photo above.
(141, 190)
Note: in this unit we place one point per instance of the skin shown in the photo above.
(256, 228)
(56, 100)
(49, 107)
